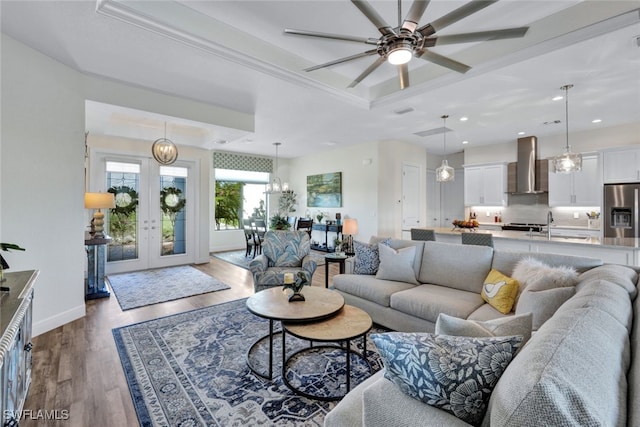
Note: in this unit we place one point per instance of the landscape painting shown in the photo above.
(324, 190)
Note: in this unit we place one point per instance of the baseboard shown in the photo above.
(59, 319)
(226, 248)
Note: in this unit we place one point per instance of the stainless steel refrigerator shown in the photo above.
(621, 210)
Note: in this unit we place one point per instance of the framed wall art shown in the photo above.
(324, 190)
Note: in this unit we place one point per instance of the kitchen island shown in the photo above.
(624, 251)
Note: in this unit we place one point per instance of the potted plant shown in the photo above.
(279, 222)
(3, 264)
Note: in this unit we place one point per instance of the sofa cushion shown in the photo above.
(455, 374)
(368, 287)
(428, 301)
(512, 325)
(396, 265)
(500, 291)
(623, 276)
(486, 312)
(367, 258)
(543, 304)
(461, 267)
(419, 245)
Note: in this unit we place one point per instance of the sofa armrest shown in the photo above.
(258, 264)
(349, 265)
(309, 264)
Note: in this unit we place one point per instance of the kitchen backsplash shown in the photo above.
(533, 209)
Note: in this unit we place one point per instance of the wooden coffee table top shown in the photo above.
(351, 322)
(274, 304)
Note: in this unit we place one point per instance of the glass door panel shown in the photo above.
(123, 180)
(173, 202)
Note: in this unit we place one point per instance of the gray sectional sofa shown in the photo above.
(578, 369)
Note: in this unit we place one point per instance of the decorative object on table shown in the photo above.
(594, 219)
(349, 229)
(338, 218)
(279, 222)
(141, 288)
(98, 201)
(337, 247)
(7, 247)
(567, 162)
(276, 186)
(324, 190)
(445, 172)
(295, 284)
(204, 378)
(319, 217)
(164, 150)
(465, 224)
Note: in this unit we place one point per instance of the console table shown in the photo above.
(96, 261)
(333, 228)
(15, 344)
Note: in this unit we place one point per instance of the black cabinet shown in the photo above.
(333, 228)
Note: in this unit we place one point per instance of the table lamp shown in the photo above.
(350, 228)
(98, 201)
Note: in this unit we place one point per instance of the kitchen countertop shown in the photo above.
(629, 242)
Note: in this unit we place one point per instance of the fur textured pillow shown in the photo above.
(535, 275)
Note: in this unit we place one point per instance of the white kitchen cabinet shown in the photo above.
(621, 166)
(485, 185)
(581, 188)
(445, 200)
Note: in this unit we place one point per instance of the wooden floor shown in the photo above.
(76, 367)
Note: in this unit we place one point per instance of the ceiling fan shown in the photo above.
(398, 45)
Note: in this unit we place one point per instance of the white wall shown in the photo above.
(42, 169)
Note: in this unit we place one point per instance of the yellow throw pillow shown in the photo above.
(500, 291)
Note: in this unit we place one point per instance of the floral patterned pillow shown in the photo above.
(367, 259)
(456, 374)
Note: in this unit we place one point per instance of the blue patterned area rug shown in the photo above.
(148, 287)
(190, 369)
(238, 258)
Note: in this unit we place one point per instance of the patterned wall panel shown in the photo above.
(242, 162)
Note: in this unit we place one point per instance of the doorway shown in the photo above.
(153, 223)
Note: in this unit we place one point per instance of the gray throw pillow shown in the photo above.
(396, 265)
(367, 260)
(503, 326)
(543, 304)
(455, 374)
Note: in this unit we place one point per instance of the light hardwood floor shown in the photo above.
(76, 367)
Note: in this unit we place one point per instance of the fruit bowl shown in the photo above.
(461, 224)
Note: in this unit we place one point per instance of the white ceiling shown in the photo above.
(234, 54)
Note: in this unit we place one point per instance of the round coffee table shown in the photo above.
(273, 304)
(350, 323)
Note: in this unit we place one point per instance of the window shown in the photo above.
(239, 194)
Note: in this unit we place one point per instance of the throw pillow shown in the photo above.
(456, 374)
(499, 291)
(366, 257)
(535, 275)
(504, 326)
(543, 304)
(397, 265)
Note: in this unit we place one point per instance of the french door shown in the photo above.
(152, 224)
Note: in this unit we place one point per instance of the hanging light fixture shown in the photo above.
(164, 151)
(445, 172)
(567, 162)
(276, 186)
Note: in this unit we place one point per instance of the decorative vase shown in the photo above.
(296, 296)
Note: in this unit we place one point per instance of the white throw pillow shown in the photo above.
(396, 265)
(503, 326)
(535, 275)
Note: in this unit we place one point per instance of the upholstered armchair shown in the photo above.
(282, 252)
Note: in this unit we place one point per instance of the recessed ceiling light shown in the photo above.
(464, 119)
(465, 142)
(329, 143)
(521, 133)
(596, 120)
(557, 98)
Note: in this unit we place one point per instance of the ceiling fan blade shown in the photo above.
(341, 60)
(331, 36)
(454, 16)
(444, 61)
(368, 71)
(415, 13)
(509, 33)
(374, 17)
(403, 73)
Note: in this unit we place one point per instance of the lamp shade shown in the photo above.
(99, 200)
(350, 226)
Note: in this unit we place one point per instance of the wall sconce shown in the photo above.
(98, 201)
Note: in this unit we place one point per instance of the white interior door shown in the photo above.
(410, 196)
(152, 224)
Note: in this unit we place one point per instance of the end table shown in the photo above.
(340, 259)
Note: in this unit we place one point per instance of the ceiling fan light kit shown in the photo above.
(399, 45)
(568, 161)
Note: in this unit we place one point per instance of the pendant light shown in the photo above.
(276, 186)
(164, 151)
(567, 162)
(445, 172)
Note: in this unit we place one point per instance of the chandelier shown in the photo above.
(164, 151)
(276, 186)
(567, 162)
(445, 172)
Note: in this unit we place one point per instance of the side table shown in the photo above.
(328, 259)
(96, 261)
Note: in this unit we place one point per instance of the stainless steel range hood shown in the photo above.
(529, 174)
